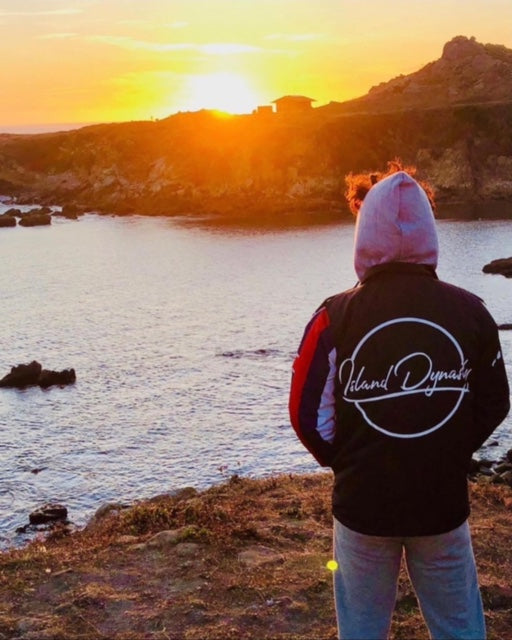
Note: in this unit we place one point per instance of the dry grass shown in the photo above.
(116, 580)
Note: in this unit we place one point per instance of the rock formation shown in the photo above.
(26, 375)
(7, 221)
(502, 266)
(468, 72)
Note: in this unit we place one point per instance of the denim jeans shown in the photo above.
(442, 572)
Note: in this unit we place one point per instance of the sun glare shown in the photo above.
(223, 91)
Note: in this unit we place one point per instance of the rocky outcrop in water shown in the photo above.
(26, 375)
(35, 220)
(48, 513)
(7, 221)
(501, 266)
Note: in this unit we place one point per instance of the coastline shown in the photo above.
(244, 559)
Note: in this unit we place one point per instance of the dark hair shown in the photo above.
(359, 184)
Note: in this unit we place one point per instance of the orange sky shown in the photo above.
(77, 61)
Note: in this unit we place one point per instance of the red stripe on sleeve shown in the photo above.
(302, 364)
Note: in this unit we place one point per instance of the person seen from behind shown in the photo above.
(397, 382)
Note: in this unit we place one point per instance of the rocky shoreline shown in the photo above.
(245, 560)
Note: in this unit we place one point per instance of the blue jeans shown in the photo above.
(442, 571)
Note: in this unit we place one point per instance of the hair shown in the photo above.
(358, 184)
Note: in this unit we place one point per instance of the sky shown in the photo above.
(69, 62)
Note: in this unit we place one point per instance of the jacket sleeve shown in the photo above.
(491, 402)
(311, 403)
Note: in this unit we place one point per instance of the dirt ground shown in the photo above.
(244, 560)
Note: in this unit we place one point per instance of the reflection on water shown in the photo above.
(182, 337)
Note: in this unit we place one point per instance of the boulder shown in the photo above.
(7, 221)
(68, 211)
(258, 556)
(23, 375)
(49, 378)
(48, 513)
(13, 212)
(502, 266)
(36, 220)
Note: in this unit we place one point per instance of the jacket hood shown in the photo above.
(395, 224)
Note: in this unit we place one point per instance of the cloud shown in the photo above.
(212, 48)
(130, 43)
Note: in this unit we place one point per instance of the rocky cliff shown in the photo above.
(468, 72)
(453, 119)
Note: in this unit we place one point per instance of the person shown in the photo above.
(397, 382)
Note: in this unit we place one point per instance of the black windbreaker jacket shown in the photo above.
(397, 383)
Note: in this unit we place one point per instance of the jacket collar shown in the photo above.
(400, 267)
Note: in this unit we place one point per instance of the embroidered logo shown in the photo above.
(413, 393)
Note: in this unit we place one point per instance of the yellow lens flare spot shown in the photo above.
(332, 565)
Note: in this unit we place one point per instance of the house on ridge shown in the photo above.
(293, 104)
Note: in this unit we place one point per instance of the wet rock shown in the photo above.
(503, 466)
(50, 378)
(507, 477)
(68, 211)
(501, 266)
(36, 220)
(48, 513)
(23, 375)
(7, 221)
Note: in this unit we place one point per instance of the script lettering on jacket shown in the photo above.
(414, 373)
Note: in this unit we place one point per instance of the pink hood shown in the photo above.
(395, 224)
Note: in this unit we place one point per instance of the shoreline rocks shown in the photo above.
(31, 374)
(492, 471)
(39, 216)
(502, 266)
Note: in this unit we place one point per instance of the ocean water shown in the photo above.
(182, 335)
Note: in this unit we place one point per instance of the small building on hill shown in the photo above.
(293, 104)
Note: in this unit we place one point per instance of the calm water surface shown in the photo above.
(182, 337)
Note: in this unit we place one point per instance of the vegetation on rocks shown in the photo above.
(245, 560)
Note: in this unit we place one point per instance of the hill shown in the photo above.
(452, 119)
(468, 72)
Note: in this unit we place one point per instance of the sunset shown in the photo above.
(256, 364)
(78, 61)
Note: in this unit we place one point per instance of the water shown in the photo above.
(182, 336)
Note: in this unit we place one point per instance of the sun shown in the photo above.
(223, 91)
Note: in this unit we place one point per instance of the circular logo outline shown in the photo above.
(388, 323)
